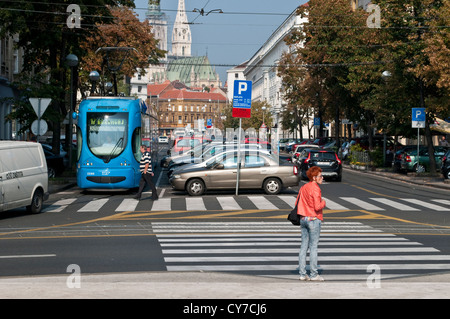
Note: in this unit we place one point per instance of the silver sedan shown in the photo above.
(258, 171)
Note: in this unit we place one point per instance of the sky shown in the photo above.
(230, 38)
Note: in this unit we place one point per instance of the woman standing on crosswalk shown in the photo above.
(310, 206)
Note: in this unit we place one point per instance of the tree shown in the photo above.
(46, 40)
(415, 29)
(315, 70)
(124, 30)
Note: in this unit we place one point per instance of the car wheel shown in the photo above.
(272, 186)
(419, 168)
(51, 172)
(36, 202)
(447, 174)
(195, 187)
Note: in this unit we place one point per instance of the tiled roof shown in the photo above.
(157, 89)
(192, 95)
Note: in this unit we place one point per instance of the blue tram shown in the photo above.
(110, 131)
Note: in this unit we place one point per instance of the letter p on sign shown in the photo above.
(242, 87)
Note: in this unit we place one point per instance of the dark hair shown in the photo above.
(313, 171)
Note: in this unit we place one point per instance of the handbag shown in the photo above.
(293, 217)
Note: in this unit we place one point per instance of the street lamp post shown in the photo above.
(386, 75)
(72, 62)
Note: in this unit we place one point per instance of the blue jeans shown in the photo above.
(310, 239)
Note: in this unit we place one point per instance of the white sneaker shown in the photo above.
(317, 278)
(304, 278)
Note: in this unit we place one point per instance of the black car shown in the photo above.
(327, 160)
(445, 168)
(55, 163)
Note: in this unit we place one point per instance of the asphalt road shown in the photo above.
(369, 220)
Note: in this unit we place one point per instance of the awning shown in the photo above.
(441, 126)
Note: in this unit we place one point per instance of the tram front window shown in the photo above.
(107, 134)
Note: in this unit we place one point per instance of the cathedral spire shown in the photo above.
(158, 21)
(181, 35)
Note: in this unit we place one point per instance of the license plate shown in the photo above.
(323, 163)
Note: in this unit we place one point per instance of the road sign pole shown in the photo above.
(39, 119)
(239, 156)
(242, 107)
(418, 120)
(418, 143)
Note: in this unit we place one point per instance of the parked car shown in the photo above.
(321, 141)
(413, 163)
(163, 139)
(259, 170)
(166, 159)
(397, 165)
(55, 163)
(445, 166)
(186, 143)
(290, 145)
(283, 142)
(209, 151)
(327, 160)
(23, 176)
(299, 149)
(62, 152)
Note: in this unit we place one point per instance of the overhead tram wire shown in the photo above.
(288, 65)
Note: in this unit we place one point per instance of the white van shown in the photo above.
(23, 176)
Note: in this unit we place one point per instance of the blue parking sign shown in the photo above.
(242, 98)
(418, 117)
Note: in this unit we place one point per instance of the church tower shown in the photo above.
(181, 35)
(158, 21)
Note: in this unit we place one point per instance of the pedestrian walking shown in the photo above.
(310, 206)
(443, 141)
(145, 167)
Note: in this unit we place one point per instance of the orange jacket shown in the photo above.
(310, 203)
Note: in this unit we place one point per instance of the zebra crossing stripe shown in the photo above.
(94, 206)
(162, 204)
(128, 204)
(425, 204)
(354, 250)
(59, 205)
(195, 204)
(362, 204)
(228, 203)
(380, 258)
(333, 205)
(394, 204)
(290, 200)
(261, 202)
(442, 201)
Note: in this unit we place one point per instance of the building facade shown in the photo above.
(184, 108)
(10, 66)
(261, 69)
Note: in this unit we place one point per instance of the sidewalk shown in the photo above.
(205, 285)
